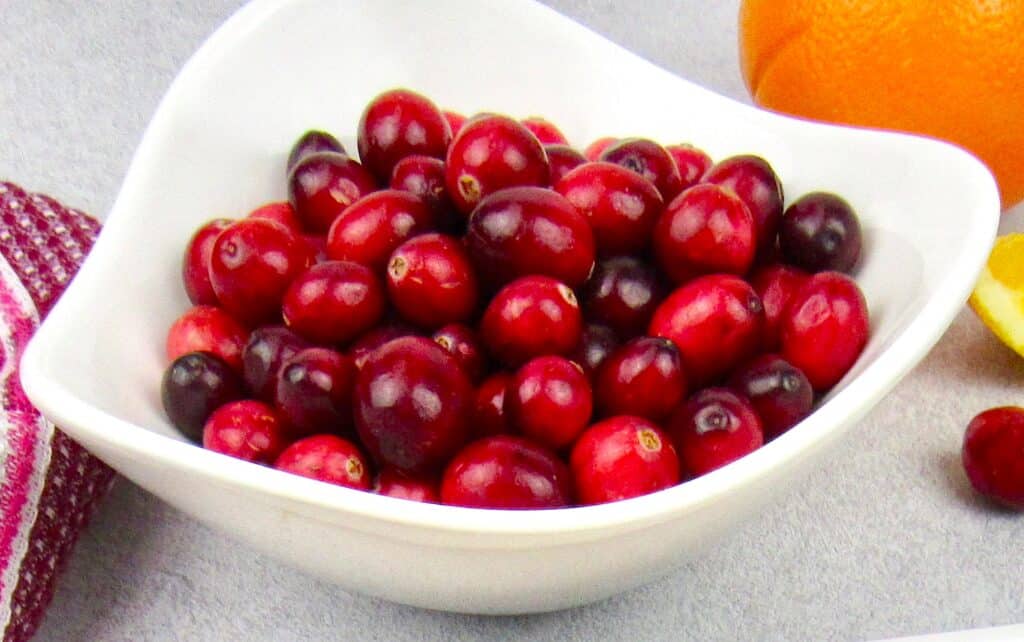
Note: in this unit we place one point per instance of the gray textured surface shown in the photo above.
(885, 540)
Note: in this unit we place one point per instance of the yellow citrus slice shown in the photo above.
(998, 297)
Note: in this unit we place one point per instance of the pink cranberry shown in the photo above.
(716, 321)
(531, 317)
(492, 153)
(264, 354)
(462, 342)
(334, 302)
(413, 405)
(455, 121)
(314, 392)
(648, 159)
(431, 281)
(825, 328)
(195, 385)
(780, 394)
(361, 348)
(714, 427)
(620, 458)
(545, 131)
(692, 163)
(489, 411)
(322, 185)
(326, 458)
(424, 177)
(530, 230)
(372, 227)
(311, 142)
(623, 293)
(282, 212)
(820, 232)
(562, 159)
(993, 455)
(397, 124)
(550, 401)
(754, 181)
(596, 148)
(392, 483)
(195, 267)
(596, 344)
(247, 430)
(775, 284)
(643, 378)
(205, 328)
(506, 472)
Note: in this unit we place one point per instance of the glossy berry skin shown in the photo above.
(993, 455)
(691, 162)
(397, 124)
(531, 317)
(247, 430)
(455, 121)
(326, 458)
(820, 231)
(323, 184)
(620, 458)
(282, 212)
(314, 392)
(596, 344)
(545, 131)
(252, 263)
(366, 343)
(648, 159)
(412, 405)
(462, 342)
(623, 293)
(311, 142)
(195, 265)
(550, 401)
(508, 473)
(371, 228)
(643, 378)
(423, 176)
(391, 483)
(264, 354)
(431, 281)
(562, 159)
(705, 230)
(776, 284)
(334, 302)
(716, 321)
(825, 328)
(620, 205)
(490, 415)
(780, 393)
(195, 385)
(595, 149)
(714, 427)
(489, 154)
(205, 328)
(529, 230)
(754, 181)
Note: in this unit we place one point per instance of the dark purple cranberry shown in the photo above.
(643, 378)
(311, 142)
(193, 387)
(268, 348)
(820, 232)
(648, 159)
(779, 392)
(424, 177)
(397, 124)
(716, 426)
(623, 293)
(596, 344)
(323, 184)
(462, 342)
(562, 160)
(314, 392)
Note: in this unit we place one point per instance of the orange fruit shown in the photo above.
(998, 296)
(950, 69)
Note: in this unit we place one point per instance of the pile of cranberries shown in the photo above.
(477, 314)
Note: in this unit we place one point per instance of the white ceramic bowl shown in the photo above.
(216, 147)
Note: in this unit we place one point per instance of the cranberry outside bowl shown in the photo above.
(217, 145)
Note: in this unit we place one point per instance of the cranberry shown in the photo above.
(372, 227)
(623, 293)
(714, 427)
(545, 131)
(705, 230)
(317, 246)
(462, 342)
(820, 232)
(550, 401)
(825, 328)
(489, 410)
(392, 483)
(530, 230)
(334, 302)
(322, 185)
(326, 458)
(596, 344)
(775, 284)
(314, 392)
(491, 153)
(506, 472)
(754, 181)
(193, 387)
(781, 394)
(267, 350)
(596, 148)
(455, 121)
(397, 124)
(622, 457)
(369, 341)
(993, 455)
(648, 159)
(716, 322)
(311, 142)
(282, 212)
(205, 328)
(530, 317)
(253, 262)
(692, 163)
(643, 378)
(431, 281)
(424, 177)
(247, 430)
(562, 159)
(413, 405)
(195, 267)
(620, 205)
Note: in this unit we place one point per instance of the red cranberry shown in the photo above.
(455, 121)
(620, 458)
(820, 232)
(531, 317)
(372, 227)
(993, 455)
(392, 483)
(489, 410)
(714, 427)
(530, 230)
(424, 177)
(462, 342)
(248, 430)
(545, 131)
(562, 159)
(754, 181)
(193, 387)
(312, 142)
(596, 344)
(596, 148)
(489, 154)
(781, 394)
(716, 321)
(431, 281)
(648, 159)
(369, 341)
(692, 163)
(334, 302)
(825, 328)
(397, 124)
(705, 230)
(550, 401)
(317, 247)
(413, 405)
(619, 204)
(775, 284)
(323, 184)
(282, 212)
(205, 328)
(643, 378)
(195, 267)
(267, 350)
(326, 458)
(623, 293)
(314, 392)
(506, 472)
